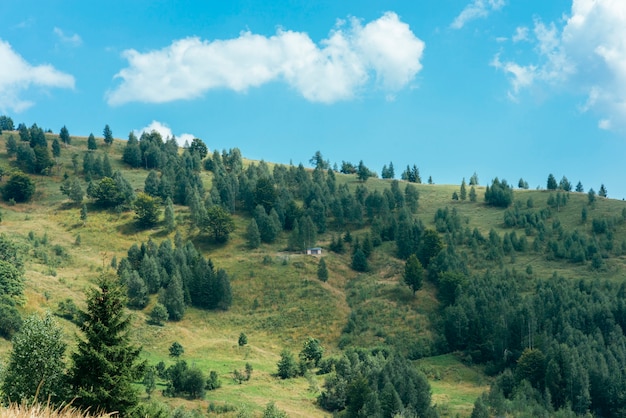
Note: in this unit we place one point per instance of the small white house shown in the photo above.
(314, 251)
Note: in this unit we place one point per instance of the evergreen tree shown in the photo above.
(11, 146)
(56, 148)
(158, 315)
(463, 193)
(132, 151)
(359, 261)
(137, 291)
(472, 194)
(36, 368)
(413, 273)
(253, 235)
(287, 366)
(602, 192)
(174, 299)
(106, 364)
(579, 187)
(91, 143)
(551, 184)
(83, 213)
(170, 221)
(322, 271)
(107, 170)
(108, 135)
(64, 134)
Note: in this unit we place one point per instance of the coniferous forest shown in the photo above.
(146, 278)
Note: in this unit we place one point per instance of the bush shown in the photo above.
(19, 188)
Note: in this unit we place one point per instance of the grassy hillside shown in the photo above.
(277, 299)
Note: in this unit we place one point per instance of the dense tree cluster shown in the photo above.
(180, 275)
(375, 385)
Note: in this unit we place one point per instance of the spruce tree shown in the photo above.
(106, 364)
(65, 135)
(322, 271)
(253, 235)
(170, 221)
(91, 143)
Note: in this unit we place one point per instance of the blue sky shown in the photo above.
(499, 87)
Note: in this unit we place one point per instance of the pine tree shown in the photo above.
(106, 364)
(472, 194)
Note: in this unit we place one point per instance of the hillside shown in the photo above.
(278, 300)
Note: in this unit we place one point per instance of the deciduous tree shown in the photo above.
(413, 273)
(36, 368)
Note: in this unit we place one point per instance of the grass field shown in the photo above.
(277, 300)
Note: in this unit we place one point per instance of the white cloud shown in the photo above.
(17, 76)
(334, 70)
(604, 124)
(584, 54)
(71, 40)
(475, 10)
(165, 132)
(521, 34)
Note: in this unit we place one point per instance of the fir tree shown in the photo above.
(106, 364)
(322, 271)
(91, 143)
(253, 235)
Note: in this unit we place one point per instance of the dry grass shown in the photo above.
(39, 411)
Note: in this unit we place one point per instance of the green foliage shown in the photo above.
(185, 381)
(253, 236)
(36, 368)
(56, 148)
(158, 315)
(272, 411)
(168, 214)
(10, 319)
(174, 299)
(411, 174)
(413, 273)
(64, 134)
(108, 135)
(19, 188)
(552, 184)
(322, 270)
(111, 192)
(500, 194)
(287, 366)
(11, 269)
(312, 352)
(106, 364)
(359, 261)
(176, 349)
(146, 210)
(243, 340)
(198, 147)
(218, 223)
(73, 190)
(91, 143)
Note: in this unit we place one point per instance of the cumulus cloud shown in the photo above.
(384, 50)
(18, 76)
(585, 54)
(71, 40)
(475, 10)
(165, 132)
(521, 34)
